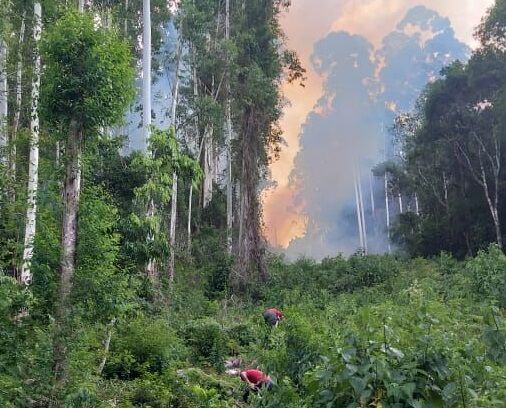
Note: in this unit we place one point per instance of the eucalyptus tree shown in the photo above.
(260, 65)
(87, 83)
(33, 163)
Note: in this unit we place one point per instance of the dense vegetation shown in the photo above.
(452, 153)
(368, 331)
(144, 271)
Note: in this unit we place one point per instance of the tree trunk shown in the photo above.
(107, 345)
(362, 211)
(207, 192)
(33, 164)
(189, 225)
(172, 234)
(125, 21)
(250, 261)
(151, 271)
(387, 211)
(228, 141)
(19, 77)
(71, 194)
(359, 216)
(146, 72)
(80, 5)
(173, 210)
(4, 96)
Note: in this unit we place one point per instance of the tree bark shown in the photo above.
(107, 345)
(359, 216)
(250, 260)
(33, 164)
(387, 212)
(4, 96)
(17, 112)
(173, 210)
(228, 141)
(189, 224)
(362, 210)
(146, 72)
(71, 195)
(207, 192)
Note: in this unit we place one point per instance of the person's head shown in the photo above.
(242, 374)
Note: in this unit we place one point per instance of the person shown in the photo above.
(255, 379)
(273, 316)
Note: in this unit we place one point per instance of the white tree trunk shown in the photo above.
(401, 207)
(362, 211)
(80, 5)
(4, 94)
(228, 141)
(146, 73)
(146, 104)
(359, 215)
(189, 225)
(17, 112)
(387, 210)
(33, 164)
(173, 209)
(417, 205)
(208, 166)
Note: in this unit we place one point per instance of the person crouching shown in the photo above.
(255, 379)
(273, 316)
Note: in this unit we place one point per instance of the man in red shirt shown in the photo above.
(255, 379)
(273, 316)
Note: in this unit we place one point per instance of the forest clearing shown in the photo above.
(153, 254)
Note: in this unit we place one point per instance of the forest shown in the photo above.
(135, 143)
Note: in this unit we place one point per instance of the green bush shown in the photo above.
(208, 342)
(143, 346)
(488, 274)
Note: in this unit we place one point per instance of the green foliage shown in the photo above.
(207, 340)
(143, 346)
(88, 76)
(488, 274)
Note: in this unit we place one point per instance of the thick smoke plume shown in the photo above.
(346, 135)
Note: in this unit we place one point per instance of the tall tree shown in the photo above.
(87, 84)
(4, 96)
(17, 109)
(33, 164)
(228, 137)
(260, 62)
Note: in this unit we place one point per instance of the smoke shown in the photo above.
(343, 137)
(306, 23)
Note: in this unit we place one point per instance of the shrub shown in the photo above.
(207, 340)
(488, 274)
(143, 346)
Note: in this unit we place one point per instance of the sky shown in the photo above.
(307, 22)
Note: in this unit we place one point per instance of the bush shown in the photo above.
(488, 274)
(143, 346)
(208, 340)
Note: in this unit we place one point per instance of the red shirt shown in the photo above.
(255, 377)
(276, 312)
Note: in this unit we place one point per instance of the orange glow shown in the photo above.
(307, 22)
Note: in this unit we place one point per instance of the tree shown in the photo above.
(33, 164)
(87, 84)
(260, 65)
